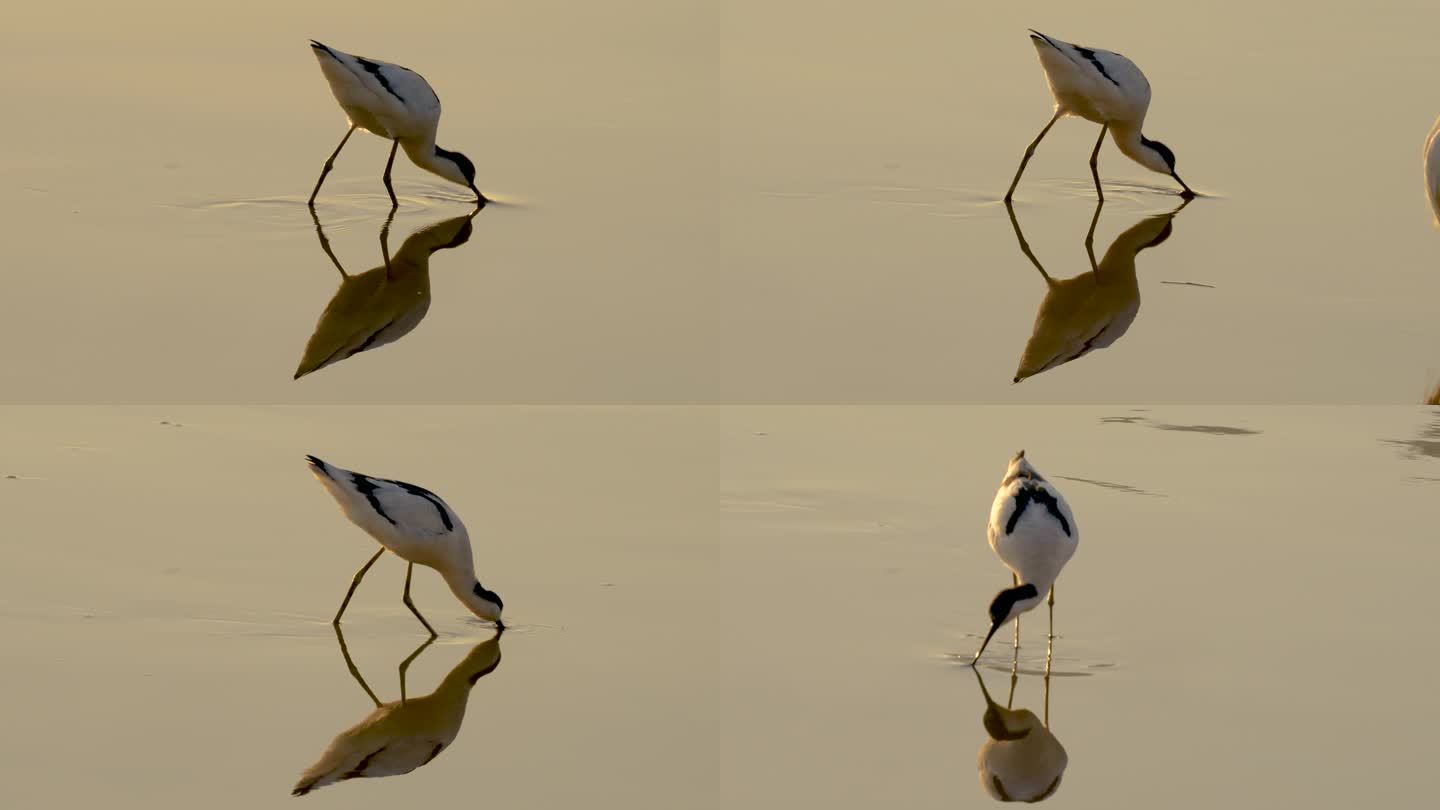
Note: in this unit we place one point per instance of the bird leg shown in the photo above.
(354, 670)
(1047, 686)
(408, 572)
(355, 583)
(1029, 152)
(1015, 578)
(1025, 246)
(394, 203)
(325, 243)
(405, 665)
(1095, 158)
(330, 164)
(1051, 600)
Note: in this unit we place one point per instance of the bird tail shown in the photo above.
(319, 466)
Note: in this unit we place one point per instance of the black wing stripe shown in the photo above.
(1040, 496)
(432, 498)
(374, 70)
(365, 486)
(1090, 55)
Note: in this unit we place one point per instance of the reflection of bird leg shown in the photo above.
(385, 245)
(350, 665)
(1047, 686)
(1094, 160)
(1014, 679)
(405, 665)
(1090, 237)
(325, 243)
(1025, 246)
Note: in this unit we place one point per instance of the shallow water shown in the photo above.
(722, 383)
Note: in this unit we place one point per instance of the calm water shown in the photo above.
(723, 385)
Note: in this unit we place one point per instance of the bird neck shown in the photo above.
(422, 153)
(1128, 141)
(462, 582)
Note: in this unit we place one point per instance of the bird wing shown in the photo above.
(371, 83)
(1111, 76)
(406, 508)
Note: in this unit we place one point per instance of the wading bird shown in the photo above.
(1034, 533)
(1108, 89)
(381, 305)
(396, 738)
(397, 104)
(418, 527)
(1092, 310)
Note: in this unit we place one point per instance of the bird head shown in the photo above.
(485, 604)
(457, 168)
(1157, 157)
(1020, 467)
(1007, 605)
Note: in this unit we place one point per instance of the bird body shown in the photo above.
(1108, 89)
(414, 524)
(1432, 170)
(398, 737)
(395, 103)
(1033, 532)
(1031, 527)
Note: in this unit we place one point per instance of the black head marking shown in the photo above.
(466, 167)
(1006, 599)
(1160, 149)
(489, 596)
(995, 726)
(1029, 492)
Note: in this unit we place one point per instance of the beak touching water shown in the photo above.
(1188, 193)
(984, 643)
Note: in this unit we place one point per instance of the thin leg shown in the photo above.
(1095, 159)
(329, 164)
(1051, 600)
(405, 665)
(1029, 152)
(394, 203)
(1090, 238)
(355, 583)
(408, 571)
(385, 245)
(1015, 578)
(1024, 245)
(354, 670)
(1014, 679)
(325, 243)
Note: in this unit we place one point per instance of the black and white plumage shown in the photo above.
(417, 526)
(1092, 310)
(401, 736)
(381, 305)
(1033, 532)
(397, 104)
(1106, 88)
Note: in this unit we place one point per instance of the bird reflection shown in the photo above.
(1022, 761)
(382, 305)
(1092, 310)
(403, 735)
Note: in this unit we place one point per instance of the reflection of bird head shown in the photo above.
(398, 737)
(1021, 760)
(383, 304)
